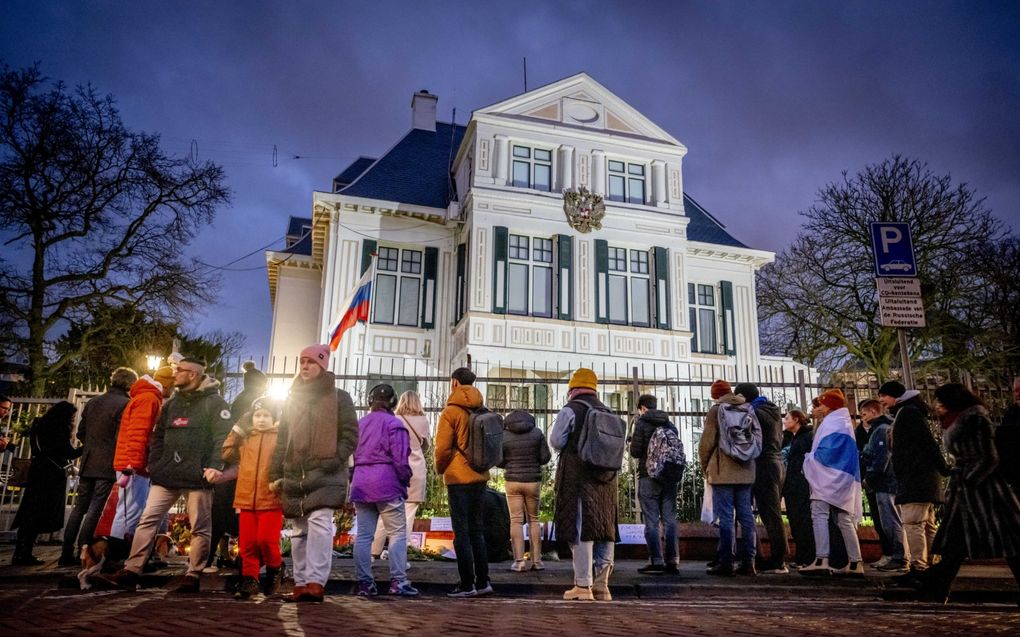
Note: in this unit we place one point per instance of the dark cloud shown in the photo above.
(773, 99)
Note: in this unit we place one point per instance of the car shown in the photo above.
(897, 265)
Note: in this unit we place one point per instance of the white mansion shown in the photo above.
(479, 261)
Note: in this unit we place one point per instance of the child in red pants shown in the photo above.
(250, 446)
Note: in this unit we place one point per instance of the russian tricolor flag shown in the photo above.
(356, 310)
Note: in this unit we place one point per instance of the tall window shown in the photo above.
(702, 301)
(530, 276)
(626, 182)
(629, 299)
(397, 297)
(532, 168)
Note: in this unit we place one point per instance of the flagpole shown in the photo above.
(371, 304)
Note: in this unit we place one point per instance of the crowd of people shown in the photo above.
(243, 469)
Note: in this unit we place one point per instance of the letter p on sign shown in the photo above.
(894, 253)
(889, 237)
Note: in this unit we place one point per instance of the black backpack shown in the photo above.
(484, 440)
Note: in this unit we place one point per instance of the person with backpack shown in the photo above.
(525, 452)
(832, 469)
(465, 484)
(589, 438)
(769, 474)
(727, 451)
(656, 442)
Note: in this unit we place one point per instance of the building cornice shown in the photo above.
(756, 258)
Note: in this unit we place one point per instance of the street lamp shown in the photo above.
(153, 360)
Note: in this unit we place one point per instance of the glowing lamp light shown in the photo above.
(278, 390)
(153, 361)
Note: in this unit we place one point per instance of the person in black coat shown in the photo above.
(97, 432)
(796, 491)
(1007, 440)
(525, 452)
(42, 505)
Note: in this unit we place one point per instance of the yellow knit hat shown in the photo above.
(583, 377)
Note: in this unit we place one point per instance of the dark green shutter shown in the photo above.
(565, 277)
(500, 248)
(661, 292)
(691, 299)
(461, 273)
(728, 322)
(601, 281)
(428, 306)
(367, 248)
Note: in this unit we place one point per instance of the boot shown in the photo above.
(248, 587)
(274, 579)
(313, 593)
(600, 585)
(579, 593)
(297, 594)
(852, 569)
(819, 567)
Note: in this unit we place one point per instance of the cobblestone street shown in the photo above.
(34, 610)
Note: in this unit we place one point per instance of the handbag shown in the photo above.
(18, 476)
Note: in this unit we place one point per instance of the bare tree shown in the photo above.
(818, 301)
(91, 214)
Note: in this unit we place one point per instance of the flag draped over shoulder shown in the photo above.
(355, 309)
(832, 468)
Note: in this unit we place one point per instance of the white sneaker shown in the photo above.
(210, 570)
(881, 562)
(519, 566)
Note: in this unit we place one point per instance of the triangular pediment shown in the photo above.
(580, 101)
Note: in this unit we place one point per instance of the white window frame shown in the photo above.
(631, 173)
(699, 306)
(535, 254)
(627, 264)
(407, 269)
(532, 163)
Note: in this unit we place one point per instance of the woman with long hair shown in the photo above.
(796, 491)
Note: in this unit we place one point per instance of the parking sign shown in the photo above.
(894, 253)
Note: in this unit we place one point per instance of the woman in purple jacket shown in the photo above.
(378, 490)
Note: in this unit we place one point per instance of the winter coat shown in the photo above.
(718, 467)
(981, 508)
(318, 433)
(525, 450)
(916, 458)
(796, 485)
(381, 470)
(876, 463)
(136, 425)
(452, 437)
(418, 429)
(643, 430)
(42, 505)
(252, 451)
(578, 484)
(97, 431)
(1007, 443)
(189, 437)
(770, 417)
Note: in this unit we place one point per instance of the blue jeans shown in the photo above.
(658, 505)
(130, 506)
(467, 507)
(891, 523)
(726, 498)
(392, 515)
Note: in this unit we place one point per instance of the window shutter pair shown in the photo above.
(563, 286)
(431, 269)
(659, 279)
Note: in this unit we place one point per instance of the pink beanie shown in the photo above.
(318, 353)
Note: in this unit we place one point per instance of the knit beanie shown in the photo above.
(720, 388)
(748, 390)
(253, 378)
(268, 403)
(583, 377)
(833, 399)
(318, 353)
(892, 388)
(164, 376)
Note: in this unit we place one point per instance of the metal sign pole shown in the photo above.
(908, 375)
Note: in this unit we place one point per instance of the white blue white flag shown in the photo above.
(832, 468)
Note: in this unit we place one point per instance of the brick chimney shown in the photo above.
(423, 110)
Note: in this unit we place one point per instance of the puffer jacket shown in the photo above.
(136, 425)
(316, 480)
(916, 458)
(97, 431)
(252, 451)
(525, 450)
(189, 437)
(382, 472)
(643, 430)
(718, 467)
(452, 436)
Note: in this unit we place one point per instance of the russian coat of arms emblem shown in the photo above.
(584, 209)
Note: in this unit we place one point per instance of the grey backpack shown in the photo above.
(602, 439)
(739, 432)
(485, 439)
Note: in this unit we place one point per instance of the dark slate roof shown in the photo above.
(352, 172)
(304, 246)
(704, 227)
(416, 171)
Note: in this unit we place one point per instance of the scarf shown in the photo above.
(311, 416)
(580, 391)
